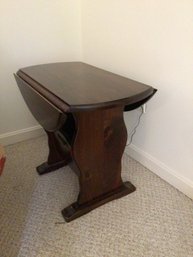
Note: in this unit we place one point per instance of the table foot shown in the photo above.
(46, 168)
(76, 210)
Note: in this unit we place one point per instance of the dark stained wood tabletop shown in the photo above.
(79, 85)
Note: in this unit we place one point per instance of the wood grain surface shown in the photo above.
(81, 86)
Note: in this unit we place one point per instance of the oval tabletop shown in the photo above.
(81, 86)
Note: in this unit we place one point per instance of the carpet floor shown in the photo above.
(154, 221)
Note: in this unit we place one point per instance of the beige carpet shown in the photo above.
(154, 221)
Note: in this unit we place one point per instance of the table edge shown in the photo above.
(65, 107)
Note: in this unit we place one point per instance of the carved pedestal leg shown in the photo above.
(97, 151)
(59, 154)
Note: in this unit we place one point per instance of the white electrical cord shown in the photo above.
(135, 128)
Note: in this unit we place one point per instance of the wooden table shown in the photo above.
(81, 109)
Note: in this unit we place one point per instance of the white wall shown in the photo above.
(150, 41)
(33, 32)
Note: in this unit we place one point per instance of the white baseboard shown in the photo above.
(173, 177)
(21, 135)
